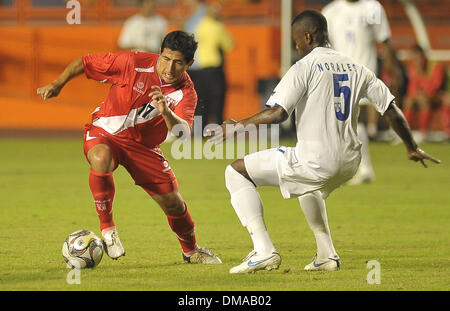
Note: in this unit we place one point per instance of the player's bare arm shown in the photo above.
(268, 116)
(399, 124)
(73, 70)
(169, 116)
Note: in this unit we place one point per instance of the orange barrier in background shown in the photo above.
(33, 57)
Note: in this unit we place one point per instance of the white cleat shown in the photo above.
(202, 255)
(112, 244)
(362, 177)
(328, 264)
(254, 262)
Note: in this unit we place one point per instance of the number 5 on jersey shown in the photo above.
(338, 90)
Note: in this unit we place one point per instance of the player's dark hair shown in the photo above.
(316, 24)
(180, 41)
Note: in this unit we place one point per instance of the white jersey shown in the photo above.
(355, 27)
(143, 33)
(323, 90)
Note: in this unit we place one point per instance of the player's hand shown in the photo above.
(50, 90)
(159, 100)
(420, 155)
(221, 132)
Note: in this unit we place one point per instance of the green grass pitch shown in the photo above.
(401, 221)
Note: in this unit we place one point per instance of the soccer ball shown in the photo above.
(82, 249)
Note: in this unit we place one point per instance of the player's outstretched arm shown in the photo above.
(73, 70)
(399, 124)
(272, 115)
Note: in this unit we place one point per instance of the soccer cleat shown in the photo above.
(329, 264)
(254, 262)
(202, 255)
(112, 244)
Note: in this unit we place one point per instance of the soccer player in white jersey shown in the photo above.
(323, 90)
(355, 27)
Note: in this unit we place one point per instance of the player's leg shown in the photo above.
(181, 223)
(365, 173)
(425, 114)
(247, 204)
(153, 173)
(445, 111)
(101, 159)
(314, 209)
(408, 110)
(202, 88)
(372, 122)
(216, 97)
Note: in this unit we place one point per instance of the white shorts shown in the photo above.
(283, 168)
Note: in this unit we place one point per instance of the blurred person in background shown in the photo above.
(143, 31)
(207, 72)
(425, 92)
(197, 10)
(355, 28)
(446, 111)
(393, 74)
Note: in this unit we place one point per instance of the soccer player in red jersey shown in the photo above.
(150, 95)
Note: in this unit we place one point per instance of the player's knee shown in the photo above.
(234, 179)
(230, 175)
(101, 160)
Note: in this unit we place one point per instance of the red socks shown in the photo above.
(409, 115)
(424, 120)
(102, 188)
(183, 227)
(446, 119)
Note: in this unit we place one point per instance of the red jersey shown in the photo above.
(127, 111)
(429, 82)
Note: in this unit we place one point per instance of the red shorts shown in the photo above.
(147, 166)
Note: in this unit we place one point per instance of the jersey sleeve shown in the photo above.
(110, 68)
(290, 89)
(382, 30)
(186, 107)
(377, 92)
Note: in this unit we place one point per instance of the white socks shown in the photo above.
(313, 206)
(366, 164)
(247, 204)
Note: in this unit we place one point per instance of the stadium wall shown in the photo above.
(31, 57)
(33, 53)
